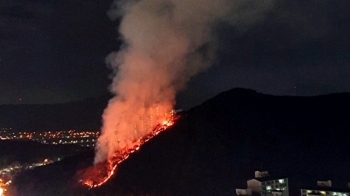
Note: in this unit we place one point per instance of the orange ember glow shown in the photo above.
(100, 173)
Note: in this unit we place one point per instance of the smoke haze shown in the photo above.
(166, 42)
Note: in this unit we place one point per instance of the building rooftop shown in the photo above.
(268, 178)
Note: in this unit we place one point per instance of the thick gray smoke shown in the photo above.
(166, 43)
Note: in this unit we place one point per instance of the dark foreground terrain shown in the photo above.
(218, 145)
(25, 152)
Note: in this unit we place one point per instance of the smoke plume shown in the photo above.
(166, 42)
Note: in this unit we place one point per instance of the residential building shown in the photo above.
(265, 185)
(324, 188)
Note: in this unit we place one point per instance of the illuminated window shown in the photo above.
(281, 181)
(268, 187)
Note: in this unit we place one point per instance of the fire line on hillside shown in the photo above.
(100, 173)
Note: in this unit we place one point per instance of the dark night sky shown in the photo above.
(53, 51)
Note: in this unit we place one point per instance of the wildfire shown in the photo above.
(3, 186)
(100, 173)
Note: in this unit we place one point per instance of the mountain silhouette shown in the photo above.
(82, 115)
(215, 148)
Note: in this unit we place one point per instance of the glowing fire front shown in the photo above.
(3, 186)
(101, 172)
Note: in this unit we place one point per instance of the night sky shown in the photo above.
(54, 51)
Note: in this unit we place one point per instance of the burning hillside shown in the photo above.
(161, 52)
(165, 44)
(101, 172)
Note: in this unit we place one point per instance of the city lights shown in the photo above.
(82, 138)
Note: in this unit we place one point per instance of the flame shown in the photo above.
(99, 174)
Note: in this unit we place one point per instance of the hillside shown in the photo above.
(218, 145)
(30, 151)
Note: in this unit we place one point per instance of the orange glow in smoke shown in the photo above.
(100, 173)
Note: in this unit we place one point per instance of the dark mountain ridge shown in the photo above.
(215, 147)
(83, 115)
